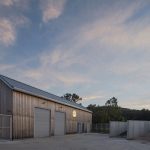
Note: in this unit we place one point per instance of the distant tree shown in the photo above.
(112, 102)
(92, 107)
(76, 97)
(113, 112)
(104, 114)
(67, 96)
(72, 97)
(110, 112)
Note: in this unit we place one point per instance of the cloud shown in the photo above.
(74, 64)
(7, 32)
(109, 53)
(61, 57)
(52, 9)
(130, 67)
(9, 28)
(5, 67)
(54, 67)
(12, 18)
(136, 104)
(119, 36)
(21, 4)
(94, 97)
(115, 29)
(48, 78)
(20, 21)
(6, 2)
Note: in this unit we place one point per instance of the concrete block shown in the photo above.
(136, 129)
(116, 128)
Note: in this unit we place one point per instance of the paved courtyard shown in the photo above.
(76, 142)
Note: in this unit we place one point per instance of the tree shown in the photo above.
(67, 96)
(104, 114)
(113, 112)
(112, 102)
(72, 97)
(110, 112)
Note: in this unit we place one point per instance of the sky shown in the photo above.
(95, 48)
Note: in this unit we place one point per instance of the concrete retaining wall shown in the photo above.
(136, 129)
(116, 128)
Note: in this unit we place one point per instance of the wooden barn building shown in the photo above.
(26, 112)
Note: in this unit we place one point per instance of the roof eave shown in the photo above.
(23, 91)
(3, 80)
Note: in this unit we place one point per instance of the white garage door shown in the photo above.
(59, 123)
(41, 122)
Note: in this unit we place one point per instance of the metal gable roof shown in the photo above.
(22, 87)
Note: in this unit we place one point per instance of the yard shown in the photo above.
(92, 141)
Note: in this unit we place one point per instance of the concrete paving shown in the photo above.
(91, 141)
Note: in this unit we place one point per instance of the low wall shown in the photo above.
(116, 128)
(100, 127)
(136, 129)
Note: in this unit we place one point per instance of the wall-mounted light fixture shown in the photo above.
(74, 113)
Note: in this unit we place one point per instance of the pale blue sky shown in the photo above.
(95, 48)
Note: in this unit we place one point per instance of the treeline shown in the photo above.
(131, 114)
(112, 112)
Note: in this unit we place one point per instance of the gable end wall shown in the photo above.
(5, 99)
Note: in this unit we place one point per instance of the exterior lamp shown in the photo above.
(74, 113)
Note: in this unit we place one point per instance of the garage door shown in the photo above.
(41, 122)
(59, 123)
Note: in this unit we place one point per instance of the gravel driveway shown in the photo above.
(90, 141)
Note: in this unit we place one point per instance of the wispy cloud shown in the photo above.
(130, 67)
(60, 62)
(19, 4)
(6, 67)
(7, 32)
(52, 9)
(114, 30)
(106, 52)
(54, 67)
(9, 28)
(9, 24)
(94, 97)
(7, 2)
(136, 104)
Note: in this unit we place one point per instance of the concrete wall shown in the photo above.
(116, 128)
(137, 129)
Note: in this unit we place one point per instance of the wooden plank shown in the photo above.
(5, 99)
(5, 110)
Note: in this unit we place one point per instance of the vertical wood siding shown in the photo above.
(5, 109)
(23, 115)
(5, 99)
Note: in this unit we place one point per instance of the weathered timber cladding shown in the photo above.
(23, 115)
(5, 99)
(5, 108)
